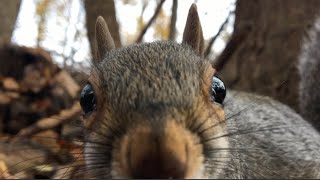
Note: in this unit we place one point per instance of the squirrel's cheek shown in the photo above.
(219, 112)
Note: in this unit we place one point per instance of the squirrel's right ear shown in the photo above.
(103, 40)
(192, 34)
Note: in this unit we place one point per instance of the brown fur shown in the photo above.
(192, 34)
(173, 152)
(104, 41)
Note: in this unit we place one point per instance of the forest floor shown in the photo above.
(40, 117)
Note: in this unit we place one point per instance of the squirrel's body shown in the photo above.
(270, 139)
(159, 115)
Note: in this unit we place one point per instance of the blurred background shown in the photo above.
(45, 50)
(42, 20)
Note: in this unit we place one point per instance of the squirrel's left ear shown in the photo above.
(103, 40)
(192, 34)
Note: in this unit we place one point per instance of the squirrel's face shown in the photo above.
(150, 110)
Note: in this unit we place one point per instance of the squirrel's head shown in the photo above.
(152, 109)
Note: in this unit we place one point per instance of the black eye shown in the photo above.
(88, 99)
(218, 90)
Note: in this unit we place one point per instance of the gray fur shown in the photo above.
(309, 69)
(273, 140)
(151, 74)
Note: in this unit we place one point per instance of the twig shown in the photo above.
(146, 27)
(51, 122)
(75, 39)
(214, 38)
(173, 20)
(65, 40)
(231, 47)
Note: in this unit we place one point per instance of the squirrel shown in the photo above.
(157, 110)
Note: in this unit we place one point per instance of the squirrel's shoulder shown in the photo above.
(279, 124)
(273, 134)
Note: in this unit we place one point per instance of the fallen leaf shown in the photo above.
(10, 84)
(4, 173)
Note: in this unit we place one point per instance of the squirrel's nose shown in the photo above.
(157, 163)
(155, 155)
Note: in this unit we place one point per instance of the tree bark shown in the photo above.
(266, 61)
(172, 35)
(8, 12)
(106, 9)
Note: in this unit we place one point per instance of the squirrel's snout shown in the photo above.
(155, 162)
(165, 154)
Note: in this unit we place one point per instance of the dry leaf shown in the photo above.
(10, 84)
(64, 79)
(4, 173)
(4, 99)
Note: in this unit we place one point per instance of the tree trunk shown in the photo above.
(106, 9)
(266, 60)
(173, 21)
(8, 12)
